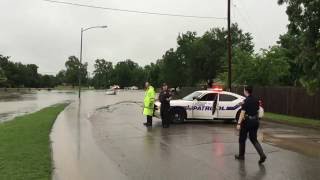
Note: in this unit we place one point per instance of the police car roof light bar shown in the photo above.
(217, 88)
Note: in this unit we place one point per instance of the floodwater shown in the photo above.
(102, 137)
(15, 104)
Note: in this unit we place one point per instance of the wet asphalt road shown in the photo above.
(93, 141)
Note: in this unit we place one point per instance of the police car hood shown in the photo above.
(179, 102)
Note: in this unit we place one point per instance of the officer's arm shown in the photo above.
(152, 96)
(241, 118)
(244, 108)
(160, 97)
(169, 96)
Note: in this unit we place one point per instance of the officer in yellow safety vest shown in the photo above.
(148, 103)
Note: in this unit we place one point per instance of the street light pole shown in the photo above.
(80, 65)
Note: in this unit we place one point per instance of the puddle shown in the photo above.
(298, 143)
(288, 136)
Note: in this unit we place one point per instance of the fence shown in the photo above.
(282, 100)
(288, 100)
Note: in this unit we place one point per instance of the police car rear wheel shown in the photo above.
(178, 116)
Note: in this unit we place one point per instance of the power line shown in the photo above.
(135, 11)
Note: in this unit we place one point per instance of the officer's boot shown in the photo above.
(149, 121)
(242, 150)
(259, 149)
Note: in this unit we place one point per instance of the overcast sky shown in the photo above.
(43, 33)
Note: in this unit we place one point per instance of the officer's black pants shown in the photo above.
(165, 116)
(249, 126)
(149, 120)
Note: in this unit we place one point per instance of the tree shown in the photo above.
(17, 74)
(61, 77)
(184, 59)
(152, 72)
(73, 68)
(47, 81)
(173, 69)
(102, 74)
(9, 69)
(303, 40)
(128, 73)
(268, 68)
(3, 78)
(32, 76)
(271, 67)
(139, 77)
(202, 57)
(244, 68)
(291, 50)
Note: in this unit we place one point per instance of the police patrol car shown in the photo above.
(211, 104)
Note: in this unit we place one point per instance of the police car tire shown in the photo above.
(181, 113)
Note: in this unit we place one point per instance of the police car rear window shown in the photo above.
(226, 97)
(209, 97)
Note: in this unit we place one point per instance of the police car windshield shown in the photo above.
(191, 96)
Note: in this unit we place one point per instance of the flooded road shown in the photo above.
(102, 137)
(15, 104)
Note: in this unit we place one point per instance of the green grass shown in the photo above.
(297, 121)
(25, 151)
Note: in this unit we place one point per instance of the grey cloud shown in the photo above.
(39, 32)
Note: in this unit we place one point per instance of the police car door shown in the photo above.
(202, 108)
(228, 106)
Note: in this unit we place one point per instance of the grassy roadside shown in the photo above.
(25, 145)
(291, 120)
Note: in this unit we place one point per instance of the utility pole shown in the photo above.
(229, 45)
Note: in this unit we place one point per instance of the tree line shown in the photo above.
(293, 61)
(16, 74)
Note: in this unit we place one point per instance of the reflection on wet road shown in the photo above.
(92, 140)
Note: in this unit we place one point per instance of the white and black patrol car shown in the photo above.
(211, 104)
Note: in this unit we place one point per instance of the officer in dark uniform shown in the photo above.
(248, 124)
(165, 97)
